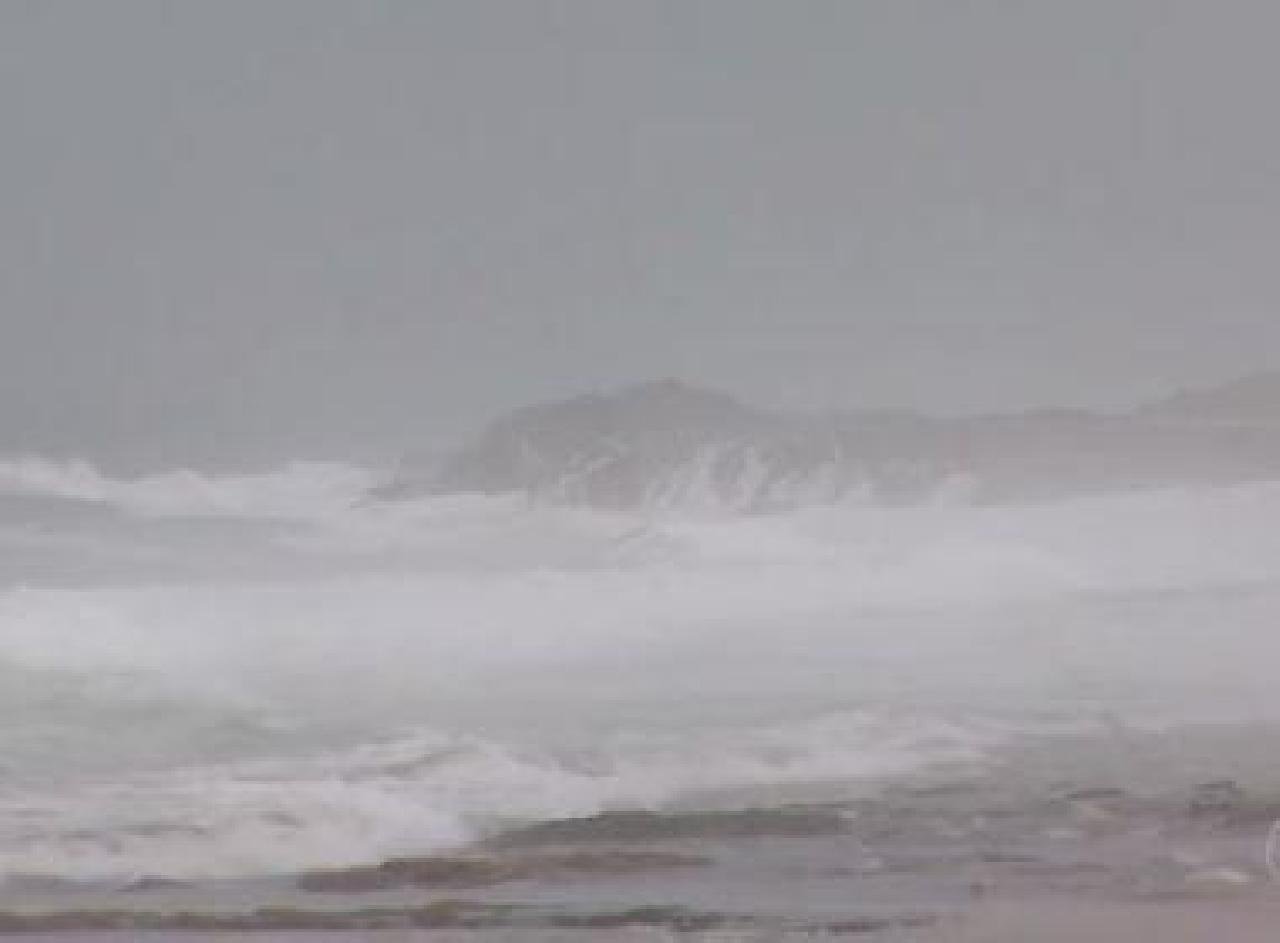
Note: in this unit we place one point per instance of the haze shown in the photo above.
(237, 232)
(536, 469)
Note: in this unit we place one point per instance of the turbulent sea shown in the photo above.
(397, 681)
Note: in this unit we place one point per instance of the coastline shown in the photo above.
(977, 860)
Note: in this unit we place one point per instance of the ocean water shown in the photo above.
(409, 678)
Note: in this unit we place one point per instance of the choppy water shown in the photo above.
(341, 710)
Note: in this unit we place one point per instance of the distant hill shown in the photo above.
(671, 446)
(1253, 400)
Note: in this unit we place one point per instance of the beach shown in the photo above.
(1012, 853)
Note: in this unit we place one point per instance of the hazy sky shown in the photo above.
(251, 228)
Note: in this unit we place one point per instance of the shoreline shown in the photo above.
(970, 861)
(1251, 917)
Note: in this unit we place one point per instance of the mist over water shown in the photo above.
(393, 677)
(843, 435)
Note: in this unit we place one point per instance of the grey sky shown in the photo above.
(255, 228)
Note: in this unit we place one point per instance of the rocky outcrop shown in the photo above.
(670, 446)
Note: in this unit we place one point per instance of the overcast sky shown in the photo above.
(259, 228)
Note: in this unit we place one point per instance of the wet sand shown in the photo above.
(1037, 920)
(1253, 919)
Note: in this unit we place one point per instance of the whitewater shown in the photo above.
(393, 678)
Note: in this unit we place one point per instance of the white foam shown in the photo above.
(429, 792)
(505, 605)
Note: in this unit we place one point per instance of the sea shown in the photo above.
(248, 699)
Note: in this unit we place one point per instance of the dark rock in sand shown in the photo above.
(153, 883)
(486, 871)
(1226, 803)
(677, 919)
(409, 872)
(1096, 794)
(1217, 797)
(441, 915)
(664, 826)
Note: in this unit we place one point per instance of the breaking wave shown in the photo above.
(232, 727)
(429, 791)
